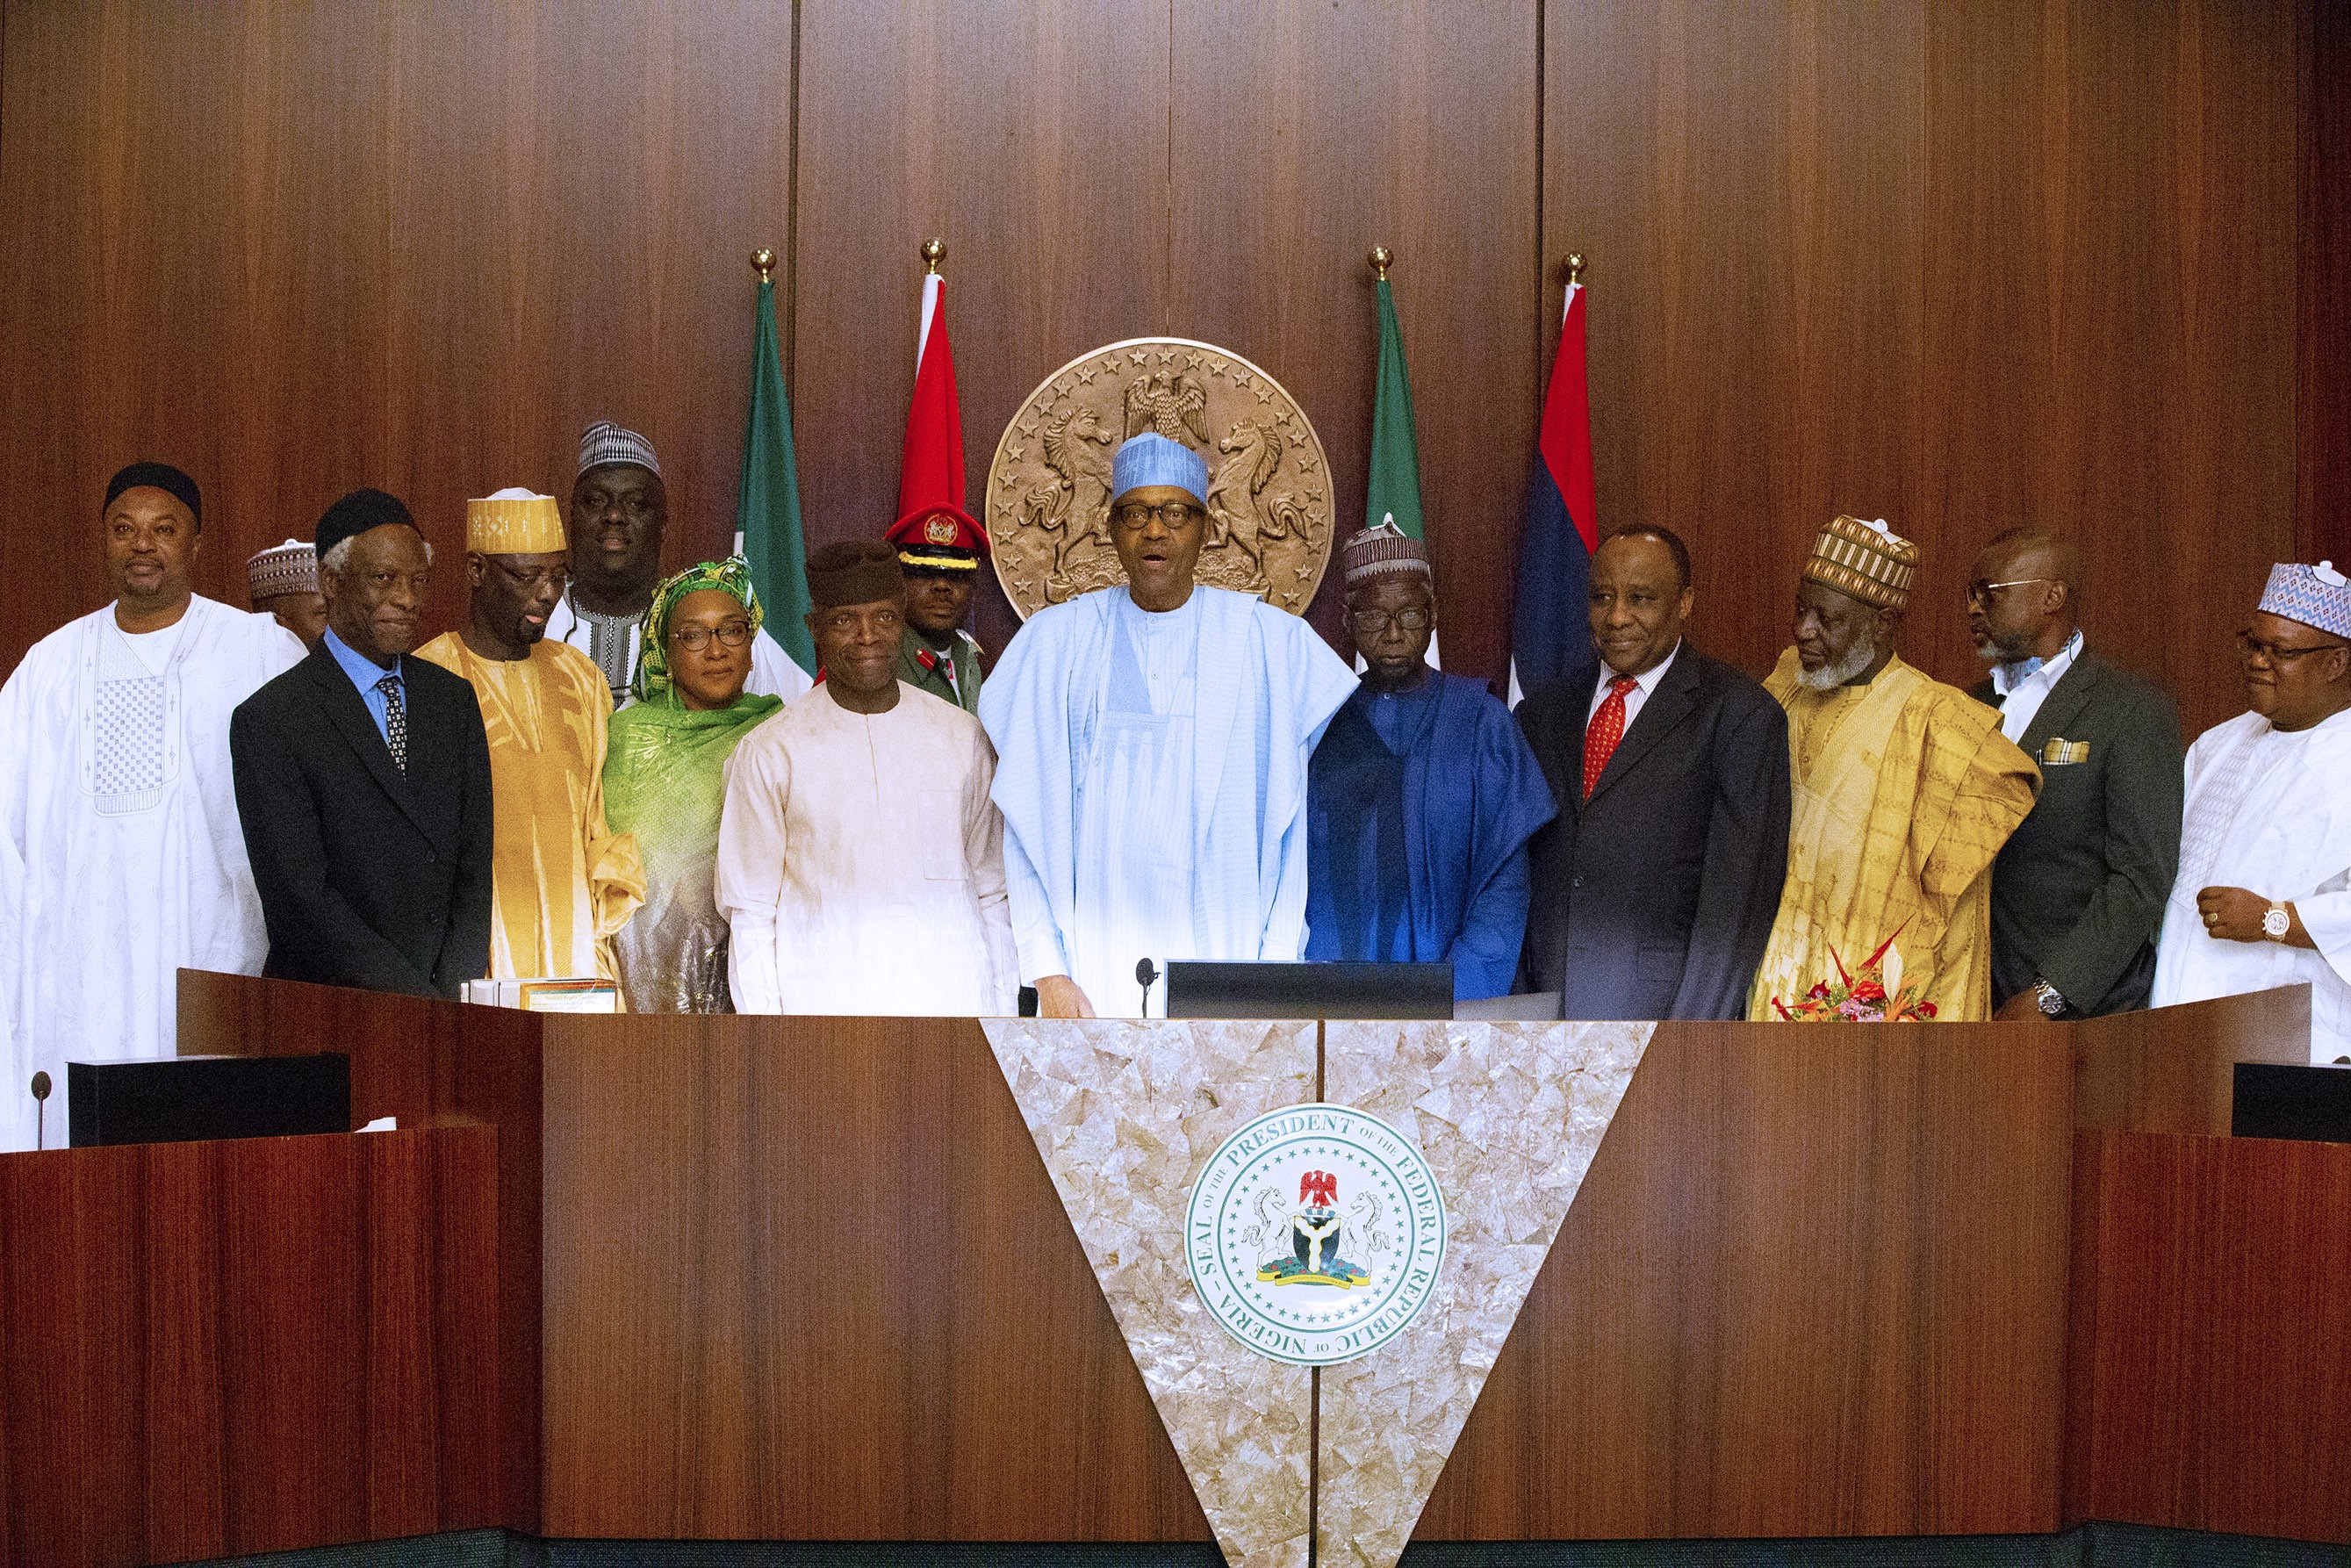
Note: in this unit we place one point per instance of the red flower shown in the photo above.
(1926, 1010)
(1870, 991)
(1819, 992)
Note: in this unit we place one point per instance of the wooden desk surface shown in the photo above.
(807, 1279)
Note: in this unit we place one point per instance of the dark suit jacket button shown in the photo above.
(1575, 882)
(431, 858)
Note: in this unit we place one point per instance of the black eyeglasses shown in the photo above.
(2252, 647)
(1371, 623)
(693, 639)
(1174, 514)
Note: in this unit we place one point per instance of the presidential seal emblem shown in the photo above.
(1314, 1234)
(1270, 504)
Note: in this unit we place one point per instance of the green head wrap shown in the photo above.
(666, 782)
(731, 576)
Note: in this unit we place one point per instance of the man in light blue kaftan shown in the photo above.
(1152, 744)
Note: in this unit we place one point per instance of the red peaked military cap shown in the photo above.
(939, 536)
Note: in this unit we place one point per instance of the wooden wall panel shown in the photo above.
(760, 1229)
(297, 250)
(217, 1349)
(1745, 182)
(1303, 136)
(1034, 139)
(2210, 1386)
(2323, 399)
(2031, 259)
(2111, 280)
(1961, 267)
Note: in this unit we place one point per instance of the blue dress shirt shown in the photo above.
(365, 673)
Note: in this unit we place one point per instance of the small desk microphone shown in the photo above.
(1144, 974)
(40, 1111)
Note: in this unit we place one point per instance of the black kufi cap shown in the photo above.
(355, 514)
(163, 477)
(855, 571)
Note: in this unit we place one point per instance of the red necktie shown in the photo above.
(1606, 729)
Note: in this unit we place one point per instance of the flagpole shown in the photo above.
(763, 264)
(933, 251)
(1393, 485)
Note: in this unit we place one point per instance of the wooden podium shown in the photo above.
(807, 1279)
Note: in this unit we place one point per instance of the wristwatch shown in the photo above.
(2045, 995)
(2276, 923)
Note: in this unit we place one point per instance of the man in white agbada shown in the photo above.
(861, 867)
(1152, 745)
(619, 509)
(2263, 897)
(116, 805)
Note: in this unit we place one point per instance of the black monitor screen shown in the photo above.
(1197, 990)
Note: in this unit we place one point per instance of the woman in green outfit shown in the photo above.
(666, 779)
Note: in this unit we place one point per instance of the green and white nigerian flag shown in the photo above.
(1393, 497)
(767, 507)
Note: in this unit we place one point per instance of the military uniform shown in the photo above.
(953, 675)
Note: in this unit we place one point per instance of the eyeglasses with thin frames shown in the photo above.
(693, 639)
(1981, 592)
(1371, 623)
(2251, 647)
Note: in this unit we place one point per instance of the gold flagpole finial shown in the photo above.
(1381, 259)
(935, 251)
(762, 261)
(1575, 267)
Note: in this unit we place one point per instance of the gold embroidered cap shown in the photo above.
(514, 522)
(1867, 562)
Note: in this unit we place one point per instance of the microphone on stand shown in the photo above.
(40, 1110)
(1144, 974)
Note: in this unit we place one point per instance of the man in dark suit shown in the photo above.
(2078, 892)
(363, 780)
(1656, 887)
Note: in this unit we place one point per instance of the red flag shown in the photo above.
(930, 471)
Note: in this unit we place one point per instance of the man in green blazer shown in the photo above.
(2077, 893)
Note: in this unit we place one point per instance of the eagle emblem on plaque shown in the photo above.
(1269, 499)
(1316, 1234)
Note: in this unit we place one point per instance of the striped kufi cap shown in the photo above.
(603, 441)
(290, 568)
(1867, 562)
(2317, 596)
(1380, 549)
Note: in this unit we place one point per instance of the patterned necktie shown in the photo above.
(1606, 729)
(395, 721)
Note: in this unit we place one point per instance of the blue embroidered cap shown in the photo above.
(1150, 459)
(2316, 596)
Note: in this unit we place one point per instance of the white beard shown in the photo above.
(1832, 676)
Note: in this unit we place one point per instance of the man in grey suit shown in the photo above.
(2078, 892)
(1654, 888)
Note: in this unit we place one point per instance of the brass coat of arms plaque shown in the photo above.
(1048, 490)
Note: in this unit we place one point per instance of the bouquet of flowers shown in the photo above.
(1876, 994)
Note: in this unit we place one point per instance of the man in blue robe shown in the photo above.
(1152, 744)
(1423, 795)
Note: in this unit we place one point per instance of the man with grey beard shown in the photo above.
(1904, 791)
